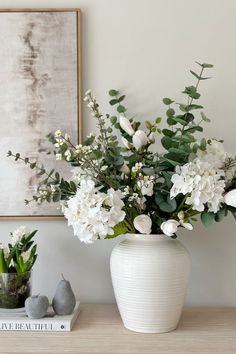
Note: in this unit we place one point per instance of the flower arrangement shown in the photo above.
(20, 254)
(121, 184)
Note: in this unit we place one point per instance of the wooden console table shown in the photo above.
(99, 330)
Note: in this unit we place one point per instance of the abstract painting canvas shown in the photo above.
(39, 93)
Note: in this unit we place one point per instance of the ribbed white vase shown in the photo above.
(150, 275)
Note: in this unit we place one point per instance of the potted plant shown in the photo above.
(16, 262)
(121, 184)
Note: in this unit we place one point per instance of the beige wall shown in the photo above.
(146, 48)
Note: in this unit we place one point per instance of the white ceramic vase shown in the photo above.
(150, 276)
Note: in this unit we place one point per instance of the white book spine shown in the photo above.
(34, 325)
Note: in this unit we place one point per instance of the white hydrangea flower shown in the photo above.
(18, 234)
(204, 184)
(93, 214)
(214, 154)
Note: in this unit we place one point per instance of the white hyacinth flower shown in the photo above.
(18, 234)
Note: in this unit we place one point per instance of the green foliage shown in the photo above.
(120, 229)
(179, 139)
(3, 264)
(20, 256)
(207, 218)
(123, 166)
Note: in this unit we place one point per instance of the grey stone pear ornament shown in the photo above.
(64, 300)
(36, 306)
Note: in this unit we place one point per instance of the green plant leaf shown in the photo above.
(159, 198)
(170, 112)
(207, 218)
(194, 106)
(194, 74)
(169, 206)
(194, 129)
(166, 142)
(119, 229)
(178, 151)
(204, 117)
(121, 98)
(113, 102)
(168, 132)
(3, 265)
(179, 120)
(113, 120)
(205, 65)
(170, 121)
(158, 120)
(219, 216)
(113, 92)
(203, 144)
(121, 109)
(167, 101)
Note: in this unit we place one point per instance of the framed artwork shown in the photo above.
(40, 92)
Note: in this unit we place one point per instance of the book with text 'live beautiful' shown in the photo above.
(17, 320)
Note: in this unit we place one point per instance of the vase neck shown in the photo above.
(146, 237)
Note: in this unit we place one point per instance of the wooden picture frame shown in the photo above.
(64, 61)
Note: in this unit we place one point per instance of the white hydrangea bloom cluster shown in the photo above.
(214, 154)
(93, 214)
(203, 179)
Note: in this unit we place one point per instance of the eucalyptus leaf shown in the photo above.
(207, 218)
(121, 109)
(170, 112)
(113, 92)
(113, 102)
(167, 101)
(168, 132)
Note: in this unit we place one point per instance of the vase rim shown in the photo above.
(147, 237)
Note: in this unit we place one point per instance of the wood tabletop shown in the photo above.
(99, 330)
